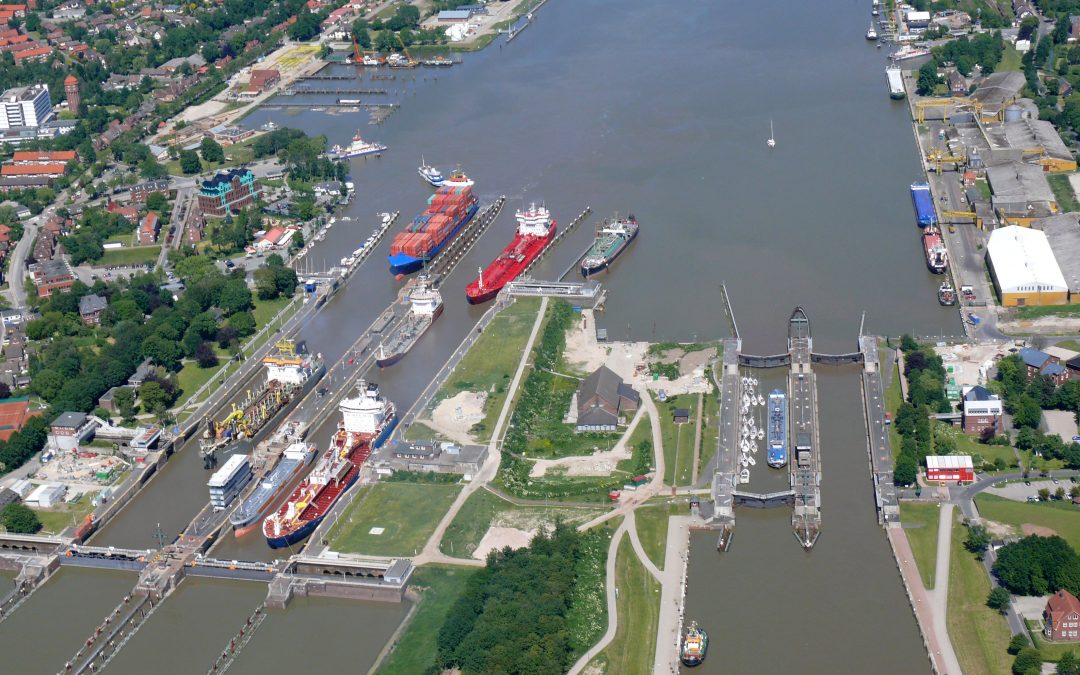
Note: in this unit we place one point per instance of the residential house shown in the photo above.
(601, 400)
(39, 170)
(149, 229)
(140, 192)
(1039, 362)
(53, 276)
(1061, 617)
(90, 309)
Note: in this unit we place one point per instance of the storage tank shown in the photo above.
(1014, 113)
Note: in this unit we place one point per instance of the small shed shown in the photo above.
(681, 415)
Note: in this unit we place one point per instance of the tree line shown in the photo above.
(925, 376)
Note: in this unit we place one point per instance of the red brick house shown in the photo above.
(261, 80)
(982, 411)
(148, 229)
(1061, 618)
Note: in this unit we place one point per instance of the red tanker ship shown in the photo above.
(535, 231)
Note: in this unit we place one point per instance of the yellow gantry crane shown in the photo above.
(971, 215)
(939, 157)
(945, 103)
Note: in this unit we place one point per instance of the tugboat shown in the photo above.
(695, 642)
(458, 179)
(946, 294)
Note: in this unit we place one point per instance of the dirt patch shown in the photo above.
(1028, 529)
(582, 352)
(1047, 325)
(454, 416)
(597, 464)
(997, 530)
(498, 538)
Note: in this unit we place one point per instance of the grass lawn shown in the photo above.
(1010, 59)
(1069, 344)
(980, 452)
(419, 431)
(56, 520)
(483, 509)
(678, 439)
(893, 398)
(984, 188)
(923, 539)
(439, 587)
(979, 634)
(710, 431)
(139, 255)
(1063, 192)
(268, 309)
(634, 645)
(490, 363)
(642, 433)
(652, 528)
(393, 507)
(1062, 517)
(1051, 651)
(1036, 311)
(191, 377)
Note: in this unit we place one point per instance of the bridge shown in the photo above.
(586, 294)
(106, 557)
(357, 578)
(764, 500)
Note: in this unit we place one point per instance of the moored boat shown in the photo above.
(778, 454)
(426, 305)
(695, 644)
(457, 178)
(908, 52)
(271, 487)
(924, 204)
(871, 32)
(367, 420)
(449, 209)
(895, 77)
(430, 174)
(535, 230)
(946, 294)
(612, 238)
(357, 148)
(937, 256)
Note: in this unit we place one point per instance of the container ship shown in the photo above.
(358, 148)
(447, 212)
(281, 479)
(367, 420)
(937, 256)
(289, 377)
(695, 643)
(924, 204)
(612, 238)
(777, 457)
(535, 231)
(426, 305)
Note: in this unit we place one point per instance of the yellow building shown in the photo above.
(1024, 269)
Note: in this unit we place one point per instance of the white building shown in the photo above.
(25, 107)
(46, 495)
(1024, 268)
(917, 19)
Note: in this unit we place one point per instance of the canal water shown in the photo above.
(661, 110)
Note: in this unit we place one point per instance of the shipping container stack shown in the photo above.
(445, 209)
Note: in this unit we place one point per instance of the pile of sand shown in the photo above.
(454, 416)
(583, 352)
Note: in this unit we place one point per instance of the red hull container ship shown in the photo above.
(535, 231)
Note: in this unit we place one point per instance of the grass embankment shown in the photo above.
(652, 527)
(484, 510)
(678, 439)
(1038, 311)
(1063, 192)
(1061, 517)
(969, 445)
(640, 442)
(923, 536)
(407, 512)
(139, 255)
(439, 589)
(1069, 344)
(894, 396)
(1010, 60)
(710, 431)
(638, 612)
(490, 364)
(978, 634)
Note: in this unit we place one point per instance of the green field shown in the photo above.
(1051, 651)
(634, 645)
(1037, 311)
(268, 309)
(893, 398)
(1061, 517)
(1010, 60)
(491, 362)
(56, 520)
(139, 255)
(1063, 192)
(678, 439)
(710, 431)
(980, 452)
(978, 634)
(923, 539)
(407, 512)
(191, 377)
(652, 527)
(642, 433)
(483, 509)
(1069, 344)
(439, 587)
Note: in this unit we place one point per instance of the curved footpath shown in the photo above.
(612, 604)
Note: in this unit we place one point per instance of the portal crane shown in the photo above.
(974, 217)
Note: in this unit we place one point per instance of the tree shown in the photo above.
(157, 201)
(19, 519)
(124, 402)
(1026, 412)
(906, 470)
(226, 335)
(1017, 643)
(1038, 566)
(1059, 494)
(1044, 494)
(211, 151)
(243, 323)
(189, 162)
(978, 540)
(1068, 664)
(162, 351)
(153, 396)
(928, 78)
(151, 169)
(235, 297)
(998, 599)
(206, 356)
(1028, 660)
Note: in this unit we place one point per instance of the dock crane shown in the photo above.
(971, 215)
(411, 63)
(945, 103)
(940, 157)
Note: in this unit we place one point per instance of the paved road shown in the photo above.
(936, 637)
(17, 266)
(939, 597)
(176, 223)
(431, 552)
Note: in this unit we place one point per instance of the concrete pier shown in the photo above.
(879, 446)
(726, 478)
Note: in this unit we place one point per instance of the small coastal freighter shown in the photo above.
(778, 455)
(358, 148)
(946, 294)
(430, 174)
(290, 375)
(367, 420)
(426, 306)
(695, 643)
(895, 77)
(612, 238)
(937, 256)
(535, 230)
(281, 479)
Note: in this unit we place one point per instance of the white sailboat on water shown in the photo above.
(771, 141)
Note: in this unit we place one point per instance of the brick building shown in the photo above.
(1061, 618)
(228, 192)
(982, 411)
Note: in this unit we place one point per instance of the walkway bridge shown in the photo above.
(765, 500)
(584, 293)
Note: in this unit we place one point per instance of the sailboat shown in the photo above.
(772, 139)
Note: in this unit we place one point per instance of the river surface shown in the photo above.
(661, 110)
